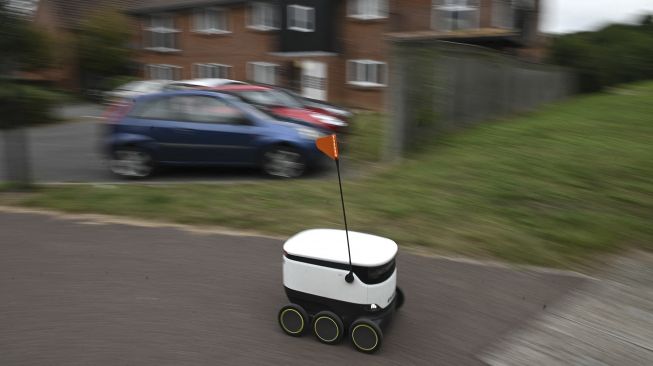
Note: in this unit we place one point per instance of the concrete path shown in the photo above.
(76, 291)
(606, 322)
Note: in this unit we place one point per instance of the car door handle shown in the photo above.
(185, 130)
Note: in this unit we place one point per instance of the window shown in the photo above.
(263, 16)
(450, 15)
(262, 72)
(268, 98)
(202, 71)
(161, 34)
(162, 72)
(200, 109)
(301, 18)
(368, 9)
(152, 109)
(211, 21)
(366, 73)
(203, 109)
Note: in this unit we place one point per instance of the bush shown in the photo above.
(103, 48)
(25, 105)
(614, 55)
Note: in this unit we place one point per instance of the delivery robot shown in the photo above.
(337, 289)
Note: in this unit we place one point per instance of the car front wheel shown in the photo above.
(131, 163)
(284, 162)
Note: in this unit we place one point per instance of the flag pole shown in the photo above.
(329, 146)
(350, 276)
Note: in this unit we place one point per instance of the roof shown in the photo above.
(331, 245)
(70, 13)
(207, 83)
(150, 6)
(242, 87)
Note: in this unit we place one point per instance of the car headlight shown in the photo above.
(309, 133)
(329, 120)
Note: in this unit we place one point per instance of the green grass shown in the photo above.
(366, 138)
(556, 188)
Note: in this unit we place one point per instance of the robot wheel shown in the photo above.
(365, 335)
(328, 327)
(293, 320)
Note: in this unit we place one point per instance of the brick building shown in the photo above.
(335, 50)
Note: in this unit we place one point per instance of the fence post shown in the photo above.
(396, 123)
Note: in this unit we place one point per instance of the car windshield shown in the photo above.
(138, 86)
(268, 98)
(179, 86)
(255, 112)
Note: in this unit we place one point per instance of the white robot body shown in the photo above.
(325, 297)
(330, 283)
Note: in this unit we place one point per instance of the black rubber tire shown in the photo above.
(277, 169)
(365, 335)
(293, 320)
(328, 327)
(400, 299)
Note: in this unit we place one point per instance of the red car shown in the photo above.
(283, 106)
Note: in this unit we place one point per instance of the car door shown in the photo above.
(155, 118)
(215, 131)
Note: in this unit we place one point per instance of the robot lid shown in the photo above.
(331, 245)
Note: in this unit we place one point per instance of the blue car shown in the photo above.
(206, 128)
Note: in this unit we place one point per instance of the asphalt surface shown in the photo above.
(70, 152)
(85, 293)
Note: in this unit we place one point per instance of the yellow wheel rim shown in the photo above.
(332, 321)
(376, 337)
(284, 325)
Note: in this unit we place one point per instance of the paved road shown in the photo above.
(83, 293)
(70, 152)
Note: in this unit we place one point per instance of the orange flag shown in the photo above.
(328, 145)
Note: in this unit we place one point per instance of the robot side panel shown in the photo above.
(382, 293)
(323, 281)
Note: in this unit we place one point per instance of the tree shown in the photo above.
(20, 105)
(616, 54)
(103, 46)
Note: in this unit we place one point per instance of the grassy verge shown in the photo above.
(366, 138)
(552, 188)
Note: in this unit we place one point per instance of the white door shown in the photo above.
(314, 80)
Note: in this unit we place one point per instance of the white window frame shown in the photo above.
(200, 71)
(469, 7)
(174, 70)
(267, 79)
(158, 26)
(208, 15)
(357, 68)
(367, 9)
(263, 16)
(304, 23)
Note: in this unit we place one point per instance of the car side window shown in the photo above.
(152, 109)
(205, 109)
